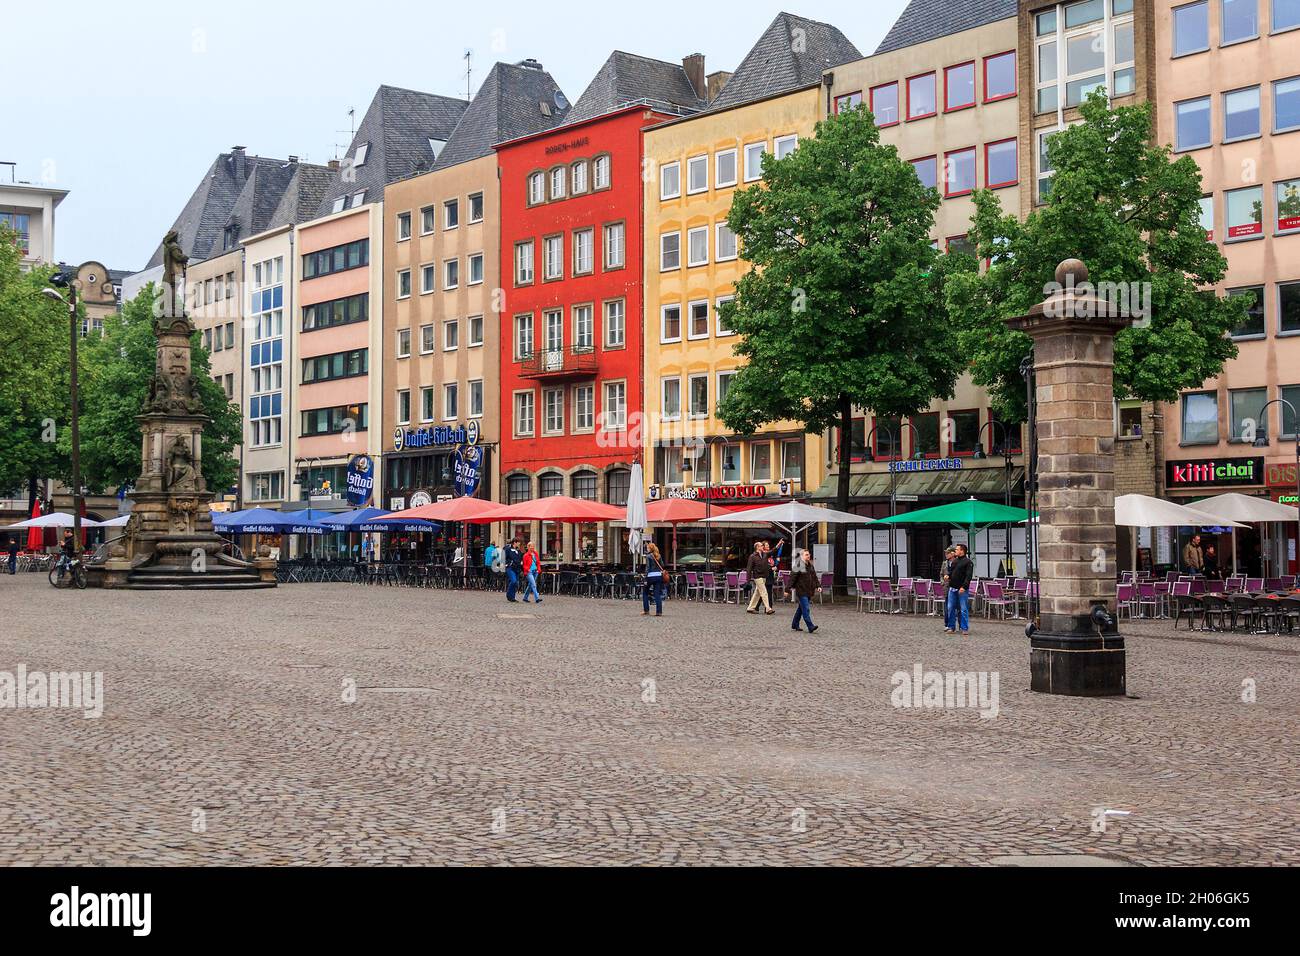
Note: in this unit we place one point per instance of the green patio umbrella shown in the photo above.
(971, 514)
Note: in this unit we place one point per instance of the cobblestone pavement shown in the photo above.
(487, 733)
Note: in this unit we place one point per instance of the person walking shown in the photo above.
(949, 599)
(757, 568)
(514, 566)
(13, 554)
(1193, 558)
(805, 583)
(959, 578)
(1210, 563)
(773, 565)
(654, 581)
(490, 564)
(532, 564)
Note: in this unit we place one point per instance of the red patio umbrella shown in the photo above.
(35, 536)
(453, 509)
(675, 511)
(556, 508)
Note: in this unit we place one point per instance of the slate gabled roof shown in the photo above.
(925, 20)
(259, 198)
(302, 197)
(515, 100)
(627, 78)
(397, 126)
(791, 53)
(202, 222)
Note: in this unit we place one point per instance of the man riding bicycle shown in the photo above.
(68, 551)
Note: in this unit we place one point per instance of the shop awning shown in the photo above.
(955, 483)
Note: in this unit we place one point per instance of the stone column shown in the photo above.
(1075, 650)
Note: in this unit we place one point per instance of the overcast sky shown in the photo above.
(127, 104)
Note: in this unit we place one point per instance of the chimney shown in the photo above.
(715, 83)
(530, 64)
(237, 161)
(694, 67)
(293, 160)
(333, 164)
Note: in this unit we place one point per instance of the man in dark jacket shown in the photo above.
(13, 554)
(806, 583)
(959, 578)
(950, 598)
(757, 569)
(514, 567)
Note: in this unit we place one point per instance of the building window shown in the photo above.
(1000, 76)
(730, 462)
(558, 182)
(1045, 169)
(428, 279)
(1191, 28)
(523, 336)
(352, 255)
(1245, 212)
(697, 174)
(754, 161)
(403, 226)
(518, 488)
(670, 323)
(699, 319)
(403, 343)
(476, 207)
(451, 274)
(1072, 51)
(671, 392)
(427, 340)
(524, 413)
(920, 96)
(1246, 406)
(726, 243)
(476, 398)
(1286, 15)
(475, 268)
(600, 172)
(524, 262)
(324, 315)
(615, 324)
(1001, 164)
(927, 170)
(724, 325)
(450, 335)
(724, 384)
(926, 436)
(964, 432)
(553, 411)
(579, 174)
(536, 189)
(670, 251)
(553, 257)
(884, 104)
(1288, 307)
(584, 408)
(1241, 114)
(615, 405)
(1207, 216)
(792, 459)
(451, 214)
(475, 330)
(1290, 396)
(760, 462)
(618, 484)
(404, 284)
(697, 246)
(615, 250)
(584, 332)
(426, 404)
(1200, 418)
(1286, 103)
(847, 101)
(266, 486)
(724, 167)
(670, 464)
(958, 86)
(428, 220)
(336, 420)
(785, 145)
(698, 396)
(1238, 21)
(1254, 325)
(1128, 419)
(583, 243)
(670, 181)
(325, 368)
(553, 334)
(959, 172)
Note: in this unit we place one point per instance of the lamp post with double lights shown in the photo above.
(894, 449)
(979, 455)
(1261, 441)
(66, 283)
(707, 442)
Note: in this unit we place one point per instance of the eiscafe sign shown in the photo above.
(1214, 472)
(1280, 476)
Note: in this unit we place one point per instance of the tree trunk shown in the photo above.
(844, 476)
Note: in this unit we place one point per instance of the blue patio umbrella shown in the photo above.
(307, 521)
(265, 521)
(365, 520)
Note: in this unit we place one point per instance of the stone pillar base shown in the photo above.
(1075, 665)
(266, 569)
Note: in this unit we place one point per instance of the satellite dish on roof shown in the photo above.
(560, 102)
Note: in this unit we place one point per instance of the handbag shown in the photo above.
(656, 572)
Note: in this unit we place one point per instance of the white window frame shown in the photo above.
(549, 243)
(428, 220)
(718, 390)
(430, 340)
(450, 395)
(516, 329)
(450, 331)
(694, 163)
(676, 191)
(404, 336)
(719, 182)
(482, 208)
(403, 273)
(574, 313)
(691, 234)
(526, 246)
(557, 188)
(403, 419)
(578, 427)
(516, 420)
(664, 337)
(472, 258)
(598, 164)
(471, 341)
(469, 410)
(587, 235)
(690, 392)
(717, 316)
(447, 207)
(447, 283)
(428, 270)
(792, 139)
(610, 343)
(664, 382)
(753, 175)
(663, 238)
(717, 243)
(620, 246)
(536, 188)
(428, 408)
(547, 395)
(404, 226)
(689, 318)
(619, 422)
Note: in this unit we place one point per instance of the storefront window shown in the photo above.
(670, 466)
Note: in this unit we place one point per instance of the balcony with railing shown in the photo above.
(575, 362)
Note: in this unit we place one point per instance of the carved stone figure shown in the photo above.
(174, 261)
(180, 465)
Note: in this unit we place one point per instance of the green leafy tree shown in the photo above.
(115, 385)
(34, 388)
(839, 310)
(1123, 205)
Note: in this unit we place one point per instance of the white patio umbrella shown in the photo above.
(791, 517)
(55, 519)
(1143, 511)
(1233, 507)
(635, 521)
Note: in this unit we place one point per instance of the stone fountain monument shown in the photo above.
(169, 542)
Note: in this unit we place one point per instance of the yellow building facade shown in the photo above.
(694, 166)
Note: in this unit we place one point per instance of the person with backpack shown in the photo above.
(532, 564)
(654, 581)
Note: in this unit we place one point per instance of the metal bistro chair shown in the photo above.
(994, 598)
(866, 593)
(1185, 603)
(827, 586)
(710, 587)
(1125, 602)
(921, 596)
(887, 599)
(1147, 597)
(731, 587)
(1254, 585)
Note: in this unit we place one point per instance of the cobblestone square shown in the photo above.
(580, 732)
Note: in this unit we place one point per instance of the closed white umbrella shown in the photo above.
(635, 520)
(1235, 506)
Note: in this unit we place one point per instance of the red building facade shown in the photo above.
(571, 341)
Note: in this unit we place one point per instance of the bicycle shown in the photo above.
(65, 575)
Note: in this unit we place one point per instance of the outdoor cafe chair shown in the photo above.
(1276, 584)
(887, 598)
(1217, 613)
(1254, 585)
(827, 586)
(866, 593)
(994, 598)
(1147, 597)
(1185, 603)
(710, 587)
(731, 587)
(1125, 602)
(921, 596)
(692, 585)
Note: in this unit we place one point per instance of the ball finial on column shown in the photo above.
(1071, 272)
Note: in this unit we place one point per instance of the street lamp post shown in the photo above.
(894, 449)
(1006, 462)
(65, 282)
(1295, 423)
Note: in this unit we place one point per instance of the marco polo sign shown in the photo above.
(1214, 472)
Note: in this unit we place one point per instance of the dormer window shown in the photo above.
(436, 145)
(360, 158)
